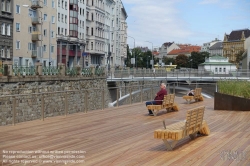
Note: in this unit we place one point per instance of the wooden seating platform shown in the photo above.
(123, 136)
(194, 123)
(167, 103)
(197, 96)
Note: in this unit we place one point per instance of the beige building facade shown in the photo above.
(34, 31)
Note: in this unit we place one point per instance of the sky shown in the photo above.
(183, 21)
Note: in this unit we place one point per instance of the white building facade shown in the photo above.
(217, 65)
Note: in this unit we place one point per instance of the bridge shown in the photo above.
(187, 76)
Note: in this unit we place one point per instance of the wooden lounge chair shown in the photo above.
(197, 96)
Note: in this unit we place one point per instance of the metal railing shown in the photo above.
(24, 107)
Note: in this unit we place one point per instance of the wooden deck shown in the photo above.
(124, 136)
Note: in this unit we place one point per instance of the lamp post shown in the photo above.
(41, 17)
(134, 49)
(152, 54)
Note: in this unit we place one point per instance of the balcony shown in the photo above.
(36, 4)
(34, 54)
(36, 20)
(36, 36)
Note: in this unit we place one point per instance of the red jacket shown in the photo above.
(160, 96)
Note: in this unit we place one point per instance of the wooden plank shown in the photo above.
(124, 136)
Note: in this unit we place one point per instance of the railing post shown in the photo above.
(66, 103)
(103, 99)
(130, 95)
(86, 101)
(39, 69)
(151, 92)
(117, 97)
(42, 107)
(14, 110)
(141, 92)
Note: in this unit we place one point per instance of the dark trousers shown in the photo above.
(150, 103)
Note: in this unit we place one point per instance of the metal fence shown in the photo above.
(25, 107)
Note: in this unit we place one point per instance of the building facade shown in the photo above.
(206, 46)
(217, 65)
(166, 48)
(71, 32)
(6, 32)
(216, 49)
(34, 37)
(234, 43)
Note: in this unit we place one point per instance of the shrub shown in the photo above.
(235, 88)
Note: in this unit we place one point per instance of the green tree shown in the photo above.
(181, 60)
(167, 60)
(238, 58)
(197, 58)
(129, 56)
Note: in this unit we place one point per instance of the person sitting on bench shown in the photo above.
(190, 93)
(158, 98)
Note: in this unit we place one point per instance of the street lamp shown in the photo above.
(191, 63)
(134, 49)
(152, 54)
(41, 49)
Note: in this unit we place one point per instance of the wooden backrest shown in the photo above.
(194, 120)
(166, 100)
(197, 92)
(172, 96)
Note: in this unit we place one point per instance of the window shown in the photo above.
(66, 19)
(2, 52)
(58, 30)
(8, 29)
(65, 32)
(66, 5)
(30, 29)
(32, 13)
(8, 53)
(18, 27)
(53, 19)
(45, 2)
(92, 31)
(58, 19)
(220, 69)
(18, 45)
(45, 32)
(52, 34)
(216, 69)
(29, 46)
(224, 69)
(92, 16)
(3, 28)
(58, 3)
(8, 6)
(92, 45)
(18, 9)
(45, 17)
(44, 48)
(3, 5)
(62, 31)
(53, 4)
(62, 3)
(52, 49)
(62, 17)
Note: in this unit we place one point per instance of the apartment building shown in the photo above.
(34, 32)
(6, 32)
(235, 42)
(106, 32)
(70, 32)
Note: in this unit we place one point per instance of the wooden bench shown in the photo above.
(194, 122)
(167, 103)
(197, 96)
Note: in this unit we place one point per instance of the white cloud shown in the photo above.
(155, 20)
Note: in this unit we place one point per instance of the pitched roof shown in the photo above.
(216, 46)
(185, 50)
(236, 34)
(168, 44)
